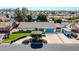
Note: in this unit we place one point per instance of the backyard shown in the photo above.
(14, 36)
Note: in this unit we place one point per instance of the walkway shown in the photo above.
(1, 36)
(21, 40)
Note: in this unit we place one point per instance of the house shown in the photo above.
(46, 27)
(74, 27)
(4, 19)
(5, 27)
(8, 20)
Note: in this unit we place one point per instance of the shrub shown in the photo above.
(22, 32)
(74, 35)
(43, 35)
(25, 42)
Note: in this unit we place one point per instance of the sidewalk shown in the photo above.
(21, 40)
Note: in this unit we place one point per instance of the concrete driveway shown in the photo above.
(65, 39)
(52, 38)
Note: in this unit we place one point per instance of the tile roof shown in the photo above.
(36, 25)
(4, 24)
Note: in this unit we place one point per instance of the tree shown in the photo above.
(42, 17)
(24, 10)
(29, 17)
(21, 14)
(18, 14)
(24, 14)
(57, 20)
(7, 15)
(17, 11)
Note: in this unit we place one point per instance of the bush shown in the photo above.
(74, 35)
(22, 32)
(25, 42)
(58, 21)
(43, 35)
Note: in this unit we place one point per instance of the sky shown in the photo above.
(41, 4)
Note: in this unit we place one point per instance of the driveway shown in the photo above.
(1, 36)
(66, 39)
(52, 38)
(21, 40)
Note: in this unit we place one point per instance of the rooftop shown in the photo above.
(36, 32)
(4, 24)
(36, 25)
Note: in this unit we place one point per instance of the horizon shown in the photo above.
(46, 8)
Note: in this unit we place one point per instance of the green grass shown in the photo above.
(14, 36)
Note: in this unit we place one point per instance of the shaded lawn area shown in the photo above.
(14, 36)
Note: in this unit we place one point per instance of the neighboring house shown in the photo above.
(46, 27)
(4, 19)
(5, 27)
(74, 27)
(10, 20)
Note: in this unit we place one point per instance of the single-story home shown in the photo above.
(5, 27)
(46, 27)
(74, 27)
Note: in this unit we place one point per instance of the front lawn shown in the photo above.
(14, 36)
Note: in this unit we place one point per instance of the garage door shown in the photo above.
(49, 30)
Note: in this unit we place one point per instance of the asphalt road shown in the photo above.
(47, 47)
